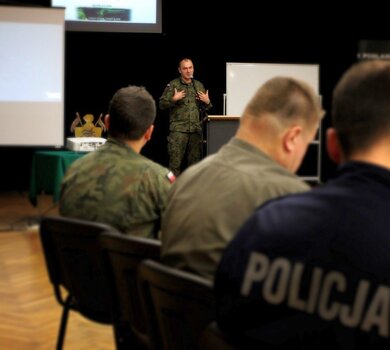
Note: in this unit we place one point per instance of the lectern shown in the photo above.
(220, 129)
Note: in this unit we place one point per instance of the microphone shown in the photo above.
(201, 106)
(193, 84)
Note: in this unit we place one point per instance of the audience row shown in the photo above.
(293, 267)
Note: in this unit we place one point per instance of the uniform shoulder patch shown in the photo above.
(171, 177)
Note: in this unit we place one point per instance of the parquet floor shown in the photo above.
(29, 313)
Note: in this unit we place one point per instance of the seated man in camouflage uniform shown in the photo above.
(116, 184)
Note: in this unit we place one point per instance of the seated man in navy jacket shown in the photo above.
(312, 270)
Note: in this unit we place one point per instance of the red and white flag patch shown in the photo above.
(171, 177)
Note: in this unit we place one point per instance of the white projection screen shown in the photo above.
(32, 41)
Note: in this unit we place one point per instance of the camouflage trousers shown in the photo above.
(184, 149)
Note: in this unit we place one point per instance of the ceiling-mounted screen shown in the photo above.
(140, 16)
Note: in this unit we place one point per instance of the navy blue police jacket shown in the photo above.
(312, 270)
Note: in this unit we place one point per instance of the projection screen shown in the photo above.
(31, 76)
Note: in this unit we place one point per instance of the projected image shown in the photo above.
(103, 14)
(131, 11)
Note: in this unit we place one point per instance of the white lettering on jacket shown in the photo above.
(281, 282)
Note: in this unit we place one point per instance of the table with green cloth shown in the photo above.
(47, 170)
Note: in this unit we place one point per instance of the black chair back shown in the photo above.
(179, 305)
(122, 255)
(74, 265)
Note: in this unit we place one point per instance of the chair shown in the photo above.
(122, 255)
(74, 265)
(178, 304)
(213, 338)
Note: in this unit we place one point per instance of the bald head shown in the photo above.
(281, 120)
(285, 99)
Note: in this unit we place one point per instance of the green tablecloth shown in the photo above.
(47, 170)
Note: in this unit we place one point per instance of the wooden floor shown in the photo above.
(29, 313)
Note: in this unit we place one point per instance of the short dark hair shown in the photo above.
(132, 111)
(361, 105)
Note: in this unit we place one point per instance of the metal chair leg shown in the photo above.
(64, 321)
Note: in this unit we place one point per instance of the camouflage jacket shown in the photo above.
(117, 186)
(184, 115)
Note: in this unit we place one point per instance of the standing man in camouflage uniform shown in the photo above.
(187, 101)
(115, 184)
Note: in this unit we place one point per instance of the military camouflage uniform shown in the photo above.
(117, 186)
(185, 125)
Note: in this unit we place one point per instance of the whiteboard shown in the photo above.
(243, 80)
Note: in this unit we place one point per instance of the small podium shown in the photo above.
(220, 129)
